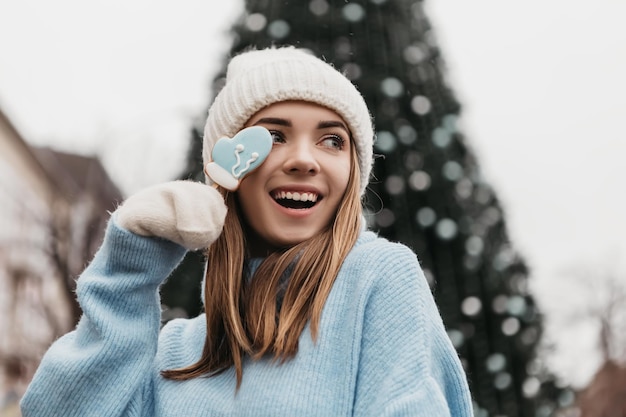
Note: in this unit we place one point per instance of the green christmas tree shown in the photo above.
(427, 190)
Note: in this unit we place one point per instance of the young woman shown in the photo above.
(306, 312)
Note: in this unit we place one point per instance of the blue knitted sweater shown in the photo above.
(382, 349)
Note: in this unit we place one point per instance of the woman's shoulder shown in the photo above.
(371, 250)
(375, 260)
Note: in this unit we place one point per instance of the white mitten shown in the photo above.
(189, 213)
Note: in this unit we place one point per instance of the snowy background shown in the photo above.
(541, 82)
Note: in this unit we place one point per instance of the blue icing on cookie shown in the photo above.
(235, 158)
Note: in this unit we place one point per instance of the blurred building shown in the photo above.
(53, 211)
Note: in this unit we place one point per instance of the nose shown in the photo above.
(301, 159)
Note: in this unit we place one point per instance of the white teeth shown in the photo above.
(295, 196)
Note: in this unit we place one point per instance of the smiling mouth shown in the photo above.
(296, 200)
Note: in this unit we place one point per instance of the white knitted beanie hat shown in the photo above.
(258, 78)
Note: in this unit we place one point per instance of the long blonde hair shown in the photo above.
(243, 316)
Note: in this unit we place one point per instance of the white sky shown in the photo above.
(123, 78)
(541, 82)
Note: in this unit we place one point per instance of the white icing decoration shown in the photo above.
(238, 149)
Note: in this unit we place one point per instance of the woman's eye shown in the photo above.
(333, 142)
(277, 137)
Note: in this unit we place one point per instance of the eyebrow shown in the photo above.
(324, 124)
(333, 123)
(273, 121)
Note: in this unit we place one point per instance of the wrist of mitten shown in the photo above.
(188, 213)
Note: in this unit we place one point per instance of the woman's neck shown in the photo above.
(256, 246)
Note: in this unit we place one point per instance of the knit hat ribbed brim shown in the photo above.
(258, 78)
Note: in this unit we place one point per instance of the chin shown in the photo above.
(287, 241)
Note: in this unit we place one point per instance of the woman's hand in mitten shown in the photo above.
(189, 213)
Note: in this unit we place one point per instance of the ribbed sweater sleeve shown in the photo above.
(408, 366)
(103, 367)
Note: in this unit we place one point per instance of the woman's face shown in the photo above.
(295, 193)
